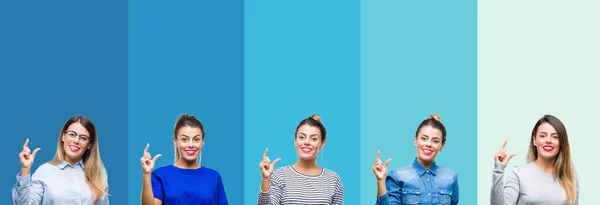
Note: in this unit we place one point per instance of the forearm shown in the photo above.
(147, 195)
(381, 190)
(265, 185)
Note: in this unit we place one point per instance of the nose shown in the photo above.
(548, 140)
(428, 143)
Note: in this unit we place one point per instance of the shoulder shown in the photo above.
(405, 172)
(330, 174)
(209, 172)
(164, 170)
(45, 171)
(447, 172)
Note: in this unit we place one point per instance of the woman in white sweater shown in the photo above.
(548, 177)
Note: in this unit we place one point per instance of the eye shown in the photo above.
(301, 137)
(555, 136)
(436, 141)
(314, 139)
(423, 138)
(542, 136)
(184, 139)
(84, 138)
(197, 140)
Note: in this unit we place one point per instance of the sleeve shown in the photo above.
(338, 196)
(28, 190)
(504, 194)
(221, 196)
(394, 191)
(273, 195)
(157, 187)
(455, 191)
(577, 196)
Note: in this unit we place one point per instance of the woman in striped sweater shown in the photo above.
(303, 182)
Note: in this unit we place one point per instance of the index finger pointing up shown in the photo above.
(266, 151)
(26, 143)
(503, 145)
(378, 154)
(146, 149)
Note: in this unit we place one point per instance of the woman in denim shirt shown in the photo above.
(422, 182)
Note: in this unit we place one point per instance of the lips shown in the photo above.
(190, 152)
(74, 148)
(548, 148)
(306, 149)
(427, 151)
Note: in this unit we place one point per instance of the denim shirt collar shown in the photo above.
(421, 170)
(64, 164)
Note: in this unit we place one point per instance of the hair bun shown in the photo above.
(316, 117)
(435, 117)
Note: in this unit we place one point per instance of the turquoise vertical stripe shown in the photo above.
(187, 57)
(418, 58)
(301, 57)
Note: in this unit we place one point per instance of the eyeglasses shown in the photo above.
(73, 135)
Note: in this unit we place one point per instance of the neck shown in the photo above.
(186, 164)
(425, 164)
(307, 166)
(547, 165)
(71, 161)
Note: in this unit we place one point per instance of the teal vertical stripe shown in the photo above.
(418, 58)
(302, 57)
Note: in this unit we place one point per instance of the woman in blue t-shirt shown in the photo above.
(186, 181)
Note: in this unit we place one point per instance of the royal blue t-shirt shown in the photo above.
(173, 186)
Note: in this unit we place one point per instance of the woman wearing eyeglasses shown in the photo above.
(548, 177)
(303, 182)
(185, 181)
(422, 182)
(76, 175)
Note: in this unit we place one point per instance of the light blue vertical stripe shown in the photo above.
(418, 58)
(301, 57)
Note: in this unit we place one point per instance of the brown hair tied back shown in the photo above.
(313, 121)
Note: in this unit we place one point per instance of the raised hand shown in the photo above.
(266, 167)
(27, 157)
(379, 168)
(147, 161)
(501, 157)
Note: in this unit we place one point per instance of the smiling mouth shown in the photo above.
(548, 148)
(306, 150)
(190, 152)
(427, 152)
(74, 148)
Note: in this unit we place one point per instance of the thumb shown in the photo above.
(509, 157)
(35, 152)
(275, 162)
(387, 162)
(156, 157)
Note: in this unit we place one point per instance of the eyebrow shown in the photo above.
(550, 134)
(301, 133)
(434, 137)
(198, 135)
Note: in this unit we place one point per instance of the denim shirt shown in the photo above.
(413, 184)
(63, 184)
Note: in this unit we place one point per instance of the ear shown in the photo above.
(415, 141)
(442, 147)
(322, 146)
(202, 142)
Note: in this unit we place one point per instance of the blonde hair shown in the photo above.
(95, 173)
(563, 166)
(183, 121)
